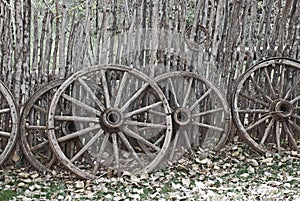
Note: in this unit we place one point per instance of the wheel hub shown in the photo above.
(182, 116)
(282, 109)
(111, 119)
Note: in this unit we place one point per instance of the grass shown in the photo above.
(8, 194)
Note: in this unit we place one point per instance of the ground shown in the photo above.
(236, 173)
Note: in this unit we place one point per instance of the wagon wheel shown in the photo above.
(200, 113)
(108, 127)
(9, 119)
(193, 40)
(33, 127)
(265, 105)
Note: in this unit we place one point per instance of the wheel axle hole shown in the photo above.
(284, 108)
(113, 118)
(70, 127)
(181, 117)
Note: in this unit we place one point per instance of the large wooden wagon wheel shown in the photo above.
(266, 105)
(33, 127)
(200, 113)
(9, 118)
(111, 133)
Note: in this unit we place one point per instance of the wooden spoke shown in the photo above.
(5, 134)
(131, 133)
(134, 96)
(290, 135)
(263, 93)
(105, 89)
(101, 151)
(269, 83)
(91, 93)
(33, 127)
(294, 125)
(120, 90)
(207, 112)
(5, 110)
(40, 109)
(295, 85)
(277, 136)
(87, 145)
(142, 124)
(40, 145)
(143, 109)
(252, 111)
(254, 100)
(296, 116)
(77, 119)
(173, 92)
(81, 104)
(208, 126)
(160, 140)
(130, 148)
(78, 133)
(115, 149)
(157, 113)
(187, 140)
(267, 132)
(200, 99)
(188, 91)
(174, 144)
(282, 81)
(297, 98)
(262, 120)
(51, 162)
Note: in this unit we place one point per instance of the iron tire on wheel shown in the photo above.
(9, 119)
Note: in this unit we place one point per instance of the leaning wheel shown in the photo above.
(266, 105)
(33, 127)
(200, 113)
(9, 119)
(111, 131)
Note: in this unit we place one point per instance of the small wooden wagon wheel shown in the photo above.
(111, 133)
(9, 119)
(266, 103)
(200, 113)
(193, 40)
(33, 127)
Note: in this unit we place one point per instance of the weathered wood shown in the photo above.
(99, 132)
(9, 123)
(269, 118)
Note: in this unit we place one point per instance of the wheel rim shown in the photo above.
(266, 105)
(200, 113)
(33, 127)
(111, 134)
(9, 119)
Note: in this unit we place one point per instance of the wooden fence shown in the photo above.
(46, 40)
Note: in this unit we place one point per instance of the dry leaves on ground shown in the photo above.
(233, 174)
